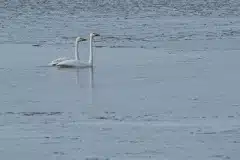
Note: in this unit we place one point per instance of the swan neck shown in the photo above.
(91, 52)
(76, 51)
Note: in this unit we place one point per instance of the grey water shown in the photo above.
(165, 85)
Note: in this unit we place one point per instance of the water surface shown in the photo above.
(165, 84)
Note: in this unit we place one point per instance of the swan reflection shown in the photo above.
(90, 77)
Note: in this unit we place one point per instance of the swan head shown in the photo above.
(80, 39)
(94, 34)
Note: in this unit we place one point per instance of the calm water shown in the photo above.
(165, 86)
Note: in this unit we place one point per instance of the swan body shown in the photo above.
(71, 63)
(76, 63)
(58, 60)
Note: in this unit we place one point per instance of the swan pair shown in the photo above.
(67, 62)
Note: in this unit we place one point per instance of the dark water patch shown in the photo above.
(100, 46)
(58, 137)
(148, 117)
(31, 113)
(130, 141)
(215, 117)
(5, 69)
(200, 117)
(236, 141)
(119, 46)
(109, 112)
(75, 138)
(7, 113)
(203, 131)
(204, 117)
(102, 118)
(106, 129)
(220, 156)
(231, 131)
(147, 153)
(59, 153)
(226, 133)
(62, 137)
(107, 118)
(41, 113)
(230, 33)
(36, 45)
(33, 101)
(96, 158)
(209, 133)
(108, 115)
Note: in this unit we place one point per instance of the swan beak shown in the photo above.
(96, 34)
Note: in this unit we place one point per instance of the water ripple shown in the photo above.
(142, 23)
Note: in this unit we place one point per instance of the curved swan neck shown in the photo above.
(76, 50)
(91, 52)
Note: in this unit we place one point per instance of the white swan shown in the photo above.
(76, 62)
(58, 60)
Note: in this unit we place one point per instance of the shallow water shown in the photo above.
(165, 84)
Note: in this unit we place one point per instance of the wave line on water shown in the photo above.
(140, 123)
